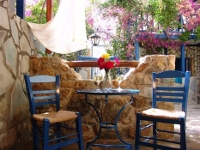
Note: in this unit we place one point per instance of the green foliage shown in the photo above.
(126, 4)
(89, 30)
(184, 36)
(73, 56)
(42, 54)
(39, 12)
(165, 12)
(118, 48)
(198, 33)
(113, 73)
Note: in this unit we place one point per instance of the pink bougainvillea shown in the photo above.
(191, 13)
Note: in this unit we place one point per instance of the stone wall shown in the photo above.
(193, 53)
(16, 46)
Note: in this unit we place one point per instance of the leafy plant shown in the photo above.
(165, 13)
(42, 54)
(37, 13)
(117, 49)
(185, 35)
(197, 33)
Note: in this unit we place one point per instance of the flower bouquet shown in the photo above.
(105, 63)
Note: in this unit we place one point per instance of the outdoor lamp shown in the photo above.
(95, 39)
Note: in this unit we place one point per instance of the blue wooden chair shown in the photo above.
(44, 123)
(178, 93)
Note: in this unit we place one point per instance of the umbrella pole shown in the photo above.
(49, 14)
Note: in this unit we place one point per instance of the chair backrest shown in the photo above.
(166, 89)
(43, 90)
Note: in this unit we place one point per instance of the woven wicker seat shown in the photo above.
(45, 122)
(165, 114)
(55, 117)
(163, 92)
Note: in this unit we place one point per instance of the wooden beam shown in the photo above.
(49, 14)
(49, 6)
(79, 64)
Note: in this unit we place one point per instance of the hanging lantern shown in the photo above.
(95, 39)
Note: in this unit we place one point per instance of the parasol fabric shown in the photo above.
(66, 31)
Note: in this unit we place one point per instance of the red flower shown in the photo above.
(108, 65)
(101, 62)
(105, 63)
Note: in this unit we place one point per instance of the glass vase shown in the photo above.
(107, 82)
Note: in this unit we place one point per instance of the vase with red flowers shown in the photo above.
(105, 63)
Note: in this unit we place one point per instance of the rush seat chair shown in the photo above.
(48, 126)
(162, 92)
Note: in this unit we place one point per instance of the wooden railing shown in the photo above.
(122, 64)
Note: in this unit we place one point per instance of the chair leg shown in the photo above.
(137, 132)
(35, 135)
(79, 130)
(45, 134)
(155, 134)
(58, 133)
(182, 135)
